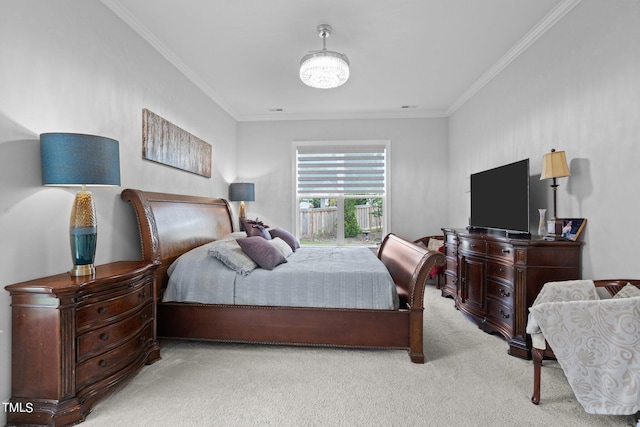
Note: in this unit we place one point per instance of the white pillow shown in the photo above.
(629, 291)
(282, 246)
(435, 244)
(232, 255)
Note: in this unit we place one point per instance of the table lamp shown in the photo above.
(71, 159)
(554, 165)
(241, 192)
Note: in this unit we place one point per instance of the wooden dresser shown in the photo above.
(75, 339)
(495, 279)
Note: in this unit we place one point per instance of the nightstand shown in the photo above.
(75, 339)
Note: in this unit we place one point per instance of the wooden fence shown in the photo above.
(323, 222)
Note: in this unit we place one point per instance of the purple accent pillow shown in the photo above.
(286, 236)
(261, 252)
(255, 228)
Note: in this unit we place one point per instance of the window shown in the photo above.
(341, 192)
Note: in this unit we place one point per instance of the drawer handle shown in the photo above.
(104, 337)
(142, 294)
(505, 294)
(102, 310)
(504, 315)
(143, 338)
(143, 316)
(501, 270)
(506, 251)
(102, 363)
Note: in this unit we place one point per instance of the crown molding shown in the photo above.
(362, 115)
(125, 14)
(534, 34)
(531, 37)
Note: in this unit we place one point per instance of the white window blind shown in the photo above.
(335, 170)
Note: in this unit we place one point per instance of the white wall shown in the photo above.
(576, 89)
(418, 167)
(73, 66)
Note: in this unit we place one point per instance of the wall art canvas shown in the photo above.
(165, 143)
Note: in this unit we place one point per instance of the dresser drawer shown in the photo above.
(450, 251)
(95, 311)
(500, 315)
(500, 271)
(500, 292)
(452, 265)
(450, 239)
(475, 246)
(502, 251)
(103, 365)
(109, 336)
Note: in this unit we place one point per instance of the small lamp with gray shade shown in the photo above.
(554, 165)
(241, 192)
(71, 159)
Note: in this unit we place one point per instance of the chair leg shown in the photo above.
(537, 355)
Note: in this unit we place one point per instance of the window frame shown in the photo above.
(326, 146)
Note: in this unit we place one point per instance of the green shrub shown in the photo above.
(351, 227)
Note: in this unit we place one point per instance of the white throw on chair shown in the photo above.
(595, 338)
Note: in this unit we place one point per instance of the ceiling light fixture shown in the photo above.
(324, 69)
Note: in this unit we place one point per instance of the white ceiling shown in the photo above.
(430, 55)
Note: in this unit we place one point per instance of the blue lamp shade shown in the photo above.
(76, 159)
(72, 159)
(241, 192)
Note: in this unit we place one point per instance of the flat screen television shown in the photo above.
(500, 198)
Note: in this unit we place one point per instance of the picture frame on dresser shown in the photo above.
(572, 227)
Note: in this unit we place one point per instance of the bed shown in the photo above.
(171, 225)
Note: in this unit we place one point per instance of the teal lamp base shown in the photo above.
(83, 235)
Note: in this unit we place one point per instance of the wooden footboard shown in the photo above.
(409, 266)
(171, 225)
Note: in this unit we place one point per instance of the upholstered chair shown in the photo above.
(592, 328)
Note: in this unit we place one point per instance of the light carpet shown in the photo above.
(468, 380)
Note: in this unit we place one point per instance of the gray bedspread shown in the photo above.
(331, 277)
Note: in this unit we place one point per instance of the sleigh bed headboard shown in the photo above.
(172, 224)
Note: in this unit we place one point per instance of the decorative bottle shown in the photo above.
(542, 225)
